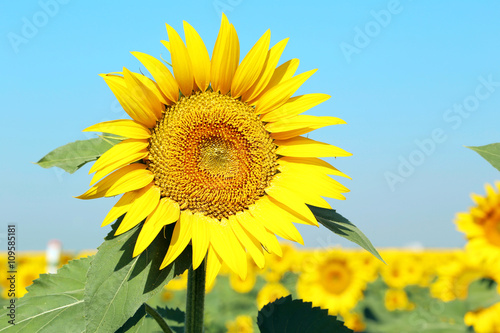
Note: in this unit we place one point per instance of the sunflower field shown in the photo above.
(442, 290)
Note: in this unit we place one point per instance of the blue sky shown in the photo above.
(416, 82)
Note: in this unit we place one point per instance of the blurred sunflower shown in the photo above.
(216, 149)
(484, 320)
(397, 299)
(271, 292)
(242, 324)
(455, 277)
(403, 269)
(333, 282)
(481, 225)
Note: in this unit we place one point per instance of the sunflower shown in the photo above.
(455, 277)
(215, 148)
(242, 324)
(271, 292)
(484, 320)
(482, 225)
(332, 282)
(397, 299)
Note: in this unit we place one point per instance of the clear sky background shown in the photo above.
(416, 81)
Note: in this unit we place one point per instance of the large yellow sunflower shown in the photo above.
(482, 225)
(216, 149)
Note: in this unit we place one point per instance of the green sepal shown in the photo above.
(296, 316)
(335, 222)
(74, 155)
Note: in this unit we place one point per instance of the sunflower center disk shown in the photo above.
(211, 154)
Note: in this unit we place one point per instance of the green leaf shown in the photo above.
(54, 302)
(482, 293)
(119, 284)
(142, 322)
(343, 227)
(296, 316)
(176, 314)
(490, 153)
(74, 155)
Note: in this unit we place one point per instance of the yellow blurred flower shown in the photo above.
(354, 321)
(455, 277)
(397, 299)
(279, 264)
(481, 225)
(243, 286)
(270, 292)
(242, 324)
(333, 282)
(402, 269)
(484, 320)
(178, 283)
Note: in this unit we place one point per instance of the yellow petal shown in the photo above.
(256, 229)
(316, 181)
(121, 154)
(294, 106)
(122, 127)
(145, 202)
(273, 56)
(282, 192)
(180, 238)
(281, 74)
(308, 196)
(228, 247)
(274, 220)
(161, 74)
(249, 242)
(304, 147)
(200, 238)
(154, 88)
(272, 239)
(130, 177)
(251, 66)
(198, 54)
(127, 100)
(225, 57)
(311, 163)
(166, 44)
(120, 208)
(166, 212)
(279, 95)
(181, 63)
(214, 263)
(298, 125)
(146, 98)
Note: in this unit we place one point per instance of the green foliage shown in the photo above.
(118, 284)
(143, 322)
(296, 316)
(54, 303)
(74, 155)
(490, 153)
(343, 227)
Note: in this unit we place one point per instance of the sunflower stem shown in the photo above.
(152, 312)
(195, 301)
